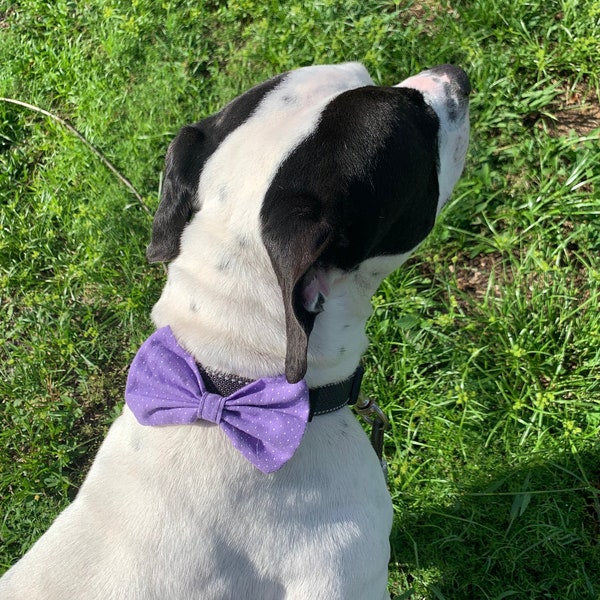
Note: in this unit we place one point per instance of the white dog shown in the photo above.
(280, 216)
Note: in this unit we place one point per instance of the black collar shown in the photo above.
(323, 400)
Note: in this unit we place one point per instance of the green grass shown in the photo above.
(485, 348)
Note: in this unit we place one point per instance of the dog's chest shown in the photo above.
(212, 512)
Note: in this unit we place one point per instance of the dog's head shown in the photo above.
(323, 169)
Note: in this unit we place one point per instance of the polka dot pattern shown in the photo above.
(265, 420)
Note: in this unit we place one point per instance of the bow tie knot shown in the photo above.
(210, 407)
(265, 420)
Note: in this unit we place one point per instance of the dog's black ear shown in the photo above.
(184, 161)
(294, 243)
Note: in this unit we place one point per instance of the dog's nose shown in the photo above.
(455, 75)
(446, 89)
(443, 78)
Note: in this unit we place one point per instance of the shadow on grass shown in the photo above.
(529, 532)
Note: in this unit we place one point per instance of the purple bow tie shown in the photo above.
(265, 419)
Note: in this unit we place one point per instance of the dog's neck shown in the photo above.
(223, 303)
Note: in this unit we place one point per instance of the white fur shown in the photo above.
(176, 513)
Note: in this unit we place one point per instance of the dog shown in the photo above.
(279, 217)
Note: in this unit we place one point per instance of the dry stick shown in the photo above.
(72, 129)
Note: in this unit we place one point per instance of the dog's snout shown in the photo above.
(446, 89)
(448, 80)
(455, 75)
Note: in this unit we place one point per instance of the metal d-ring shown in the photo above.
(369, 411)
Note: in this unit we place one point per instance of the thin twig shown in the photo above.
(72, 129)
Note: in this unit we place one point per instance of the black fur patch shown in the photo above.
(363, 184)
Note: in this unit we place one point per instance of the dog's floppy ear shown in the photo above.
(294, 243)
(184, 161)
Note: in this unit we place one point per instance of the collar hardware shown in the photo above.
(368, 410)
